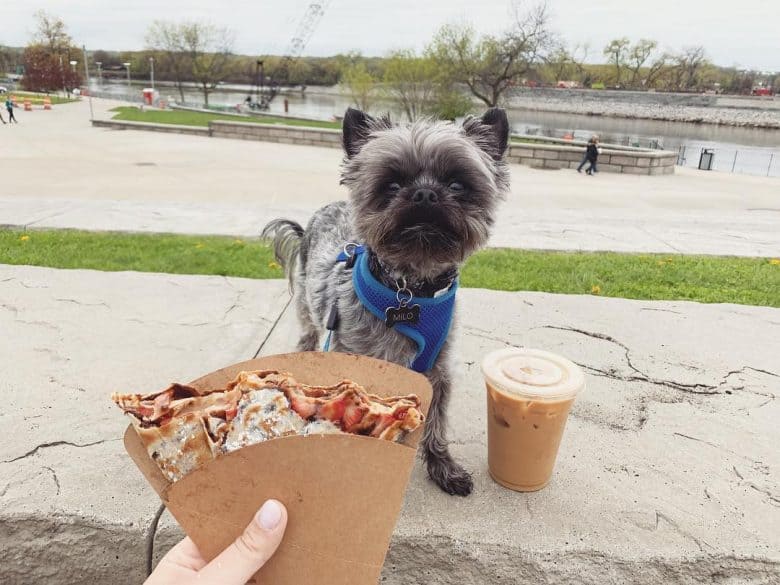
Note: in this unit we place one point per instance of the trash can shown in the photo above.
(706, 159)
(148, 96)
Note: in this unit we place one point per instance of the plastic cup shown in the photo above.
(529, 394)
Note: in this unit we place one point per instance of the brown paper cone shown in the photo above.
(343, 493)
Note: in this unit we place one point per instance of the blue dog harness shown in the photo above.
(398, 309)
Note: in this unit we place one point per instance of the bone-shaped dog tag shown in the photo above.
(405, 314)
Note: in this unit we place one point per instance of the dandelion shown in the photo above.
(273, 265)
(24, 238)
(199, 245)
(239, 242)
(775, 261)
(595, 289)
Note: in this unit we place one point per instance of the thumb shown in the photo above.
(242, 559)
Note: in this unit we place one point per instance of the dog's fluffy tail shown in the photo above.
(286, 236)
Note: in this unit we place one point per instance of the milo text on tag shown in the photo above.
(403, 314)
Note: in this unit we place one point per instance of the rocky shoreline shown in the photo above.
(667, 112)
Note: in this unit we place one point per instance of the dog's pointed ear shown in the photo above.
(357, 128)
(490, 132)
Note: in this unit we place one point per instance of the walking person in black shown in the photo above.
(585, 156)
(592, 154)
(9, 105)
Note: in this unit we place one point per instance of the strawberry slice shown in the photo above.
(305, 407)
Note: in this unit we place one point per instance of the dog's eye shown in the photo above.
(393, 188)
(456, 187)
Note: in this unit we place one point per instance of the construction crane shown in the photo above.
(306, 27)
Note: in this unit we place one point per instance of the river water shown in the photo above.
(741, 150)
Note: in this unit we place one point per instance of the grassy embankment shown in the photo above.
(187, 118)
(708, 279)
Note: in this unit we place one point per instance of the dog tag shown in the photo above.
(405, 314)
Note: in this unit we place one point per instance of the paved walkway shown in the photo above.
(669, 471)
(58, 171)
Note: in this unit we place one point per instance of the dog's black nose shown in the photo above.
(425, 197)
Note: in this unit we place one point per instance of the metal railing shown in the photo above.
(746, 161)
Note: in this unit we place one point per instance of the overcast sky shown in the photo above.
(742, 32)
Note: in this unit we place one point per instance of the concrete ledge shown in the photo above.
(276, 133)
(668, 471)
(168, 128)
(613, 159)
(548, 156)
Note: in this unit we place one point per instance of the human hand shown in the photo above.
(183, 565)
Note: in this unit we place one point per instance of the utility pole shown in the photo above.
(86, 72)
(151, 63)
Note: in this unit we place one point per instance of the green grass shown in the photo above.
(709, 279)
(706, 279)
(187, 118)
(37, 98)
(142, 252)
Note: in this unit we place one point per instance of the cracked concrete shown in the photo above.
(655, 483)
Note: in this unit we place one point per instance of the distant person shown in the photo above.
(9, 105)
(585, 156)
(592, 154)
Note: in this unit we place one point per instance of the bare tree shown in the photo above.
(579, 55)
(166, 39)
(616, 52)
(638, 55)
(209, 48)
(192, 51)
(689, 63)
(51, 33)
(489, 65)
(656, 70)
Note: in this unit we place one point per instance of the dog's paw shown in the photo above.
(451, 477)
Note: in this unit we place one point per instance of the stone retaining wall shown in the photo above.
(169, 128)
(276, 133)
(555, 156)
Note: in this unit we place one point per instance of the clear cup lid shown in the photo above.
(533, 373)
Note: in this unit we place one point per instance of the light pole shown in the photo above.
(73, 64)
(127, 66)
(100, 73)
(151, 63)
(62, 74)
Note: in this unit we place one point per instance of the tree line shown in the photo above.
(456, 66)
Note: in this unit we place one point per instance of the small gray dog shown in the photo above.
(422, 198)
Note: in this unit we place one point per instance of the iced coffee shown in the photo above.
(529, 394)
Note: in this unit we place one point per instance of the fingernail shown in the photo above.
(269, 515)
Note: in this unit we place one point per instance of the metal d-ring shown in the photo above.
(402, 290)
(349, 249)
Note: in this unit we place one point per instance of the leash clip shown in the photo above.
(349, 251)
